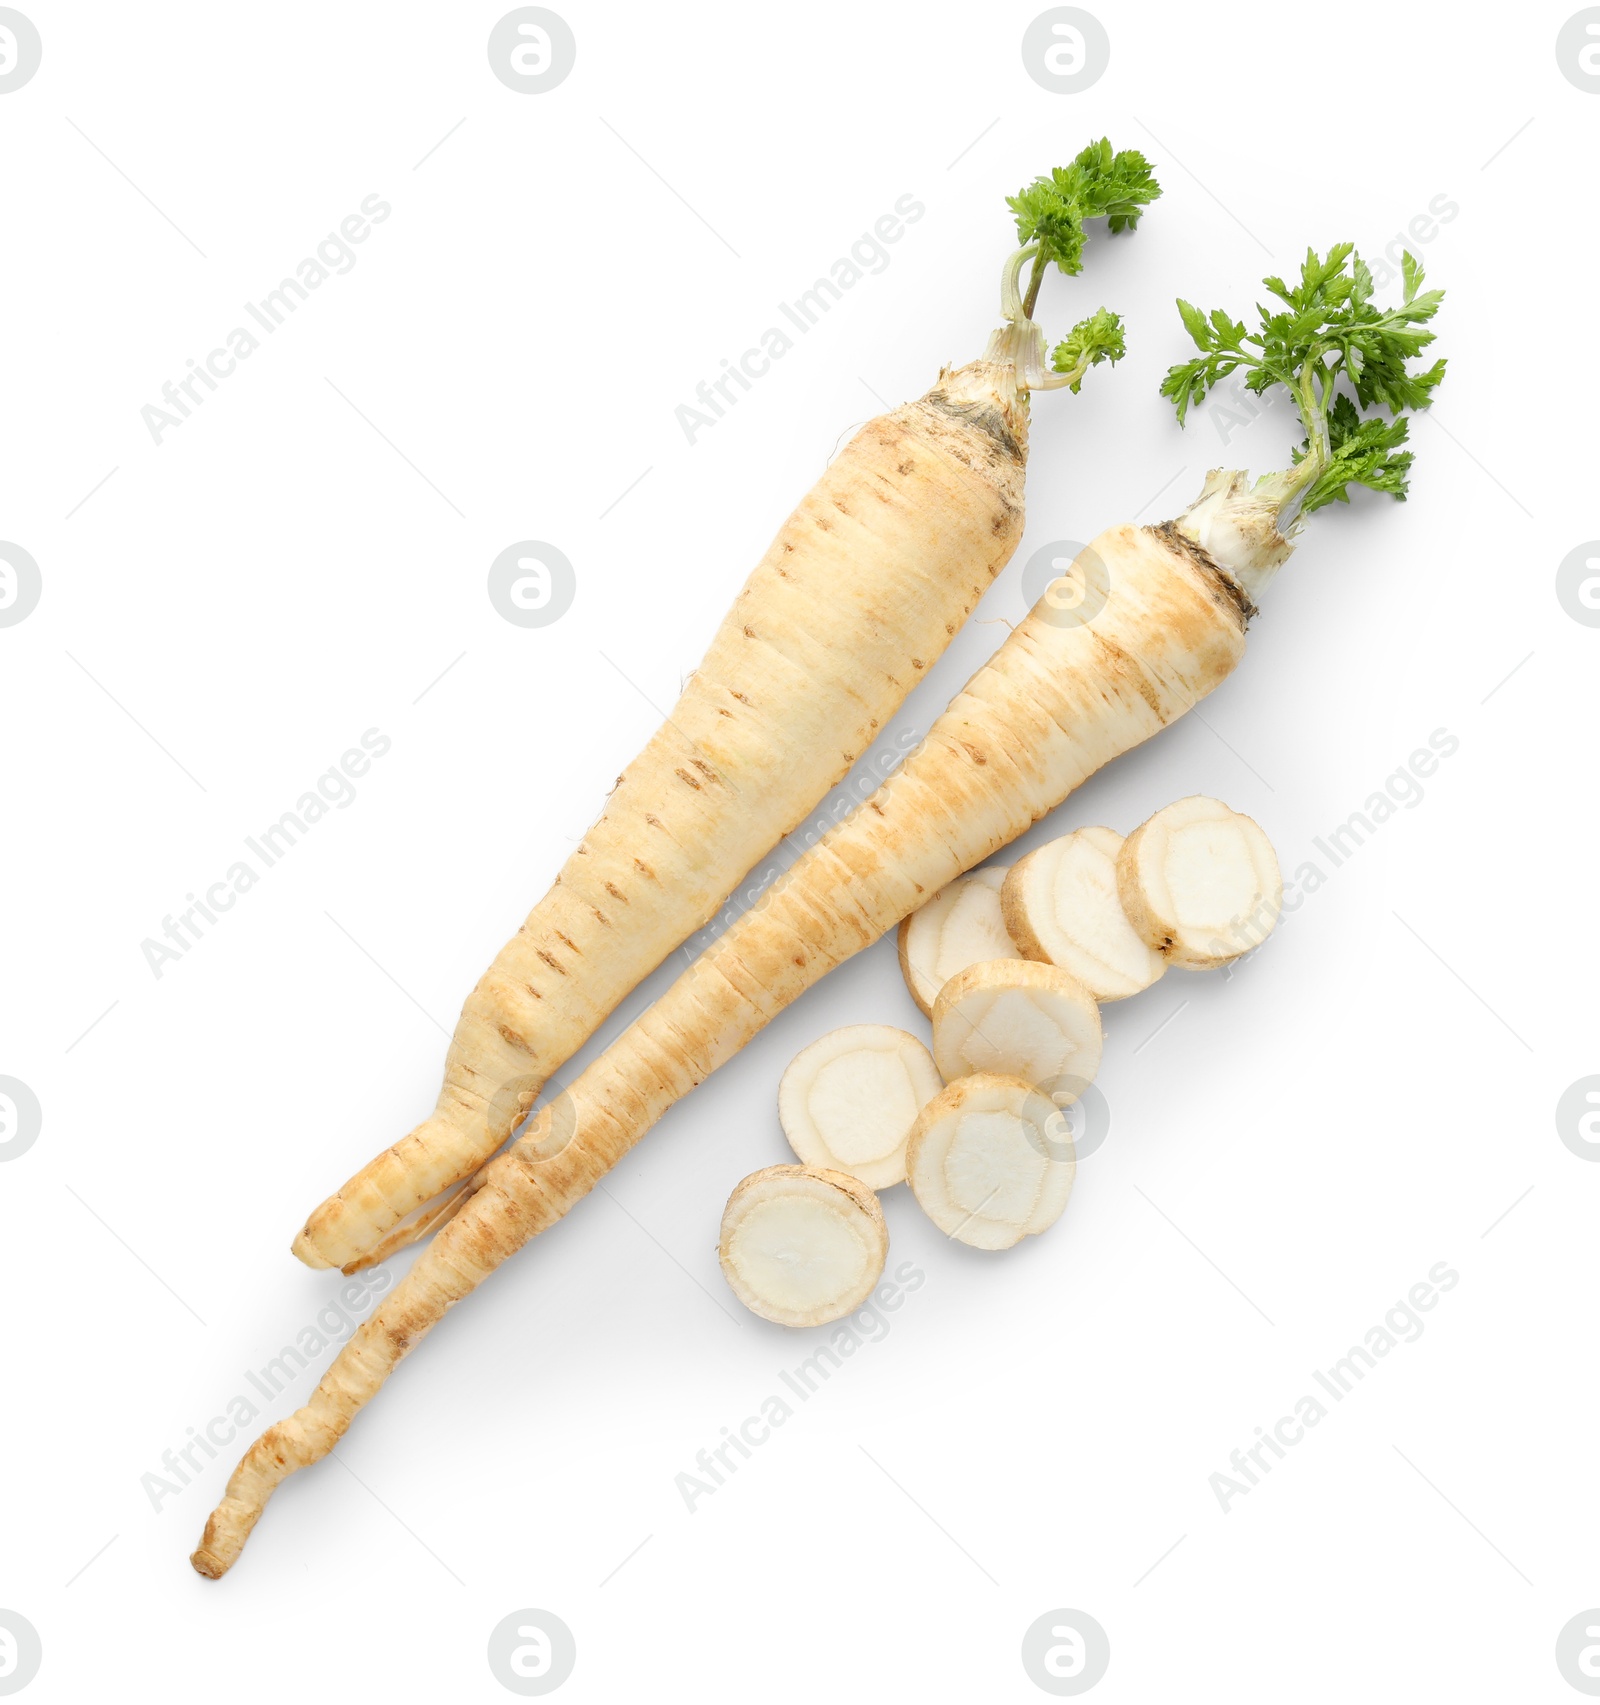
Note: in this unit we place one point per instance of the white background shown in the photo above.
(1293, 1151)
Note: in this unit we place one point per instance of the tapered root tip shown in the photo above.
(219, 1545)
(304, 1249)
(227, 1528)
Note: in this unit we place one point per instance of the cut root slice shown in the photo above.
(960, 926)
(1200, 883)
(802, 1245)
(1061, 907)
(991, 1161)
(849, 1101)
(1022, 1020)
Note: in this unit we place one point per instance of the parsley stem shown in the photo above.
(1313, 408)
(1035, 279)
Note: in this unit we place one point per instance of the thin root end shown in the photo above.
(215, 1555)
(304, 1249)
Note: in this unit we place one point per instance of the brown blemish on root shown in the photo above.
(554, 963)
(1209, 569)
(985, 418)
(1128, 665)
(683, 775)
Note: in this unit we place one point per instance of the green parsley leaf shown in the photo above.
(1098, 184)
(1361, 452)
(1338, 355)
(1096, 339)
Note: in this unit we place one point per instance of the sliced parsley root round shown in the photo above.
(961, 925)
(1061, 907)
(848, 1102)
(802, 1245)
(1020, 1019)
(1200, 883)
(991, 1161)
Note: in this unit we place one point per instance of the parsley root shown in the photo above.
(1019, 1019)
(848, 1102)
(802, 1245)
(1062, 908)
(991, 1161)
(862, 589)
(1200, 883)
(961, 925)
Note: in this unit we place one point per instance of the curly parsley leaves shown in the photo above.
(1327, 330)
(1098, 184)
(1096, 339)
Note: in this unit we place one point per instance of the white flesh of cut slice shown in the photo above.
(1061, 907)
(958, 927)
(801, 1245)
(991, 1161)
(1021, 1019)
(1200, 883)
(848, 1102)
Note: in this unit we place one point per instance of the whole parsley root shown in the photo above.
(860, 592)
(1056, 702)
